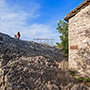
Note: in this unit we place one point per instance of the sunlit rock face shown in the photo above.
(79, 35)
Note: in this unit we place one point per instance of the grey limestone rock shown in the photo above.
(26, 65)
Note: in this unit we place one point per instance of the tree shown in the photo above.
(58, 45)
(63, 30)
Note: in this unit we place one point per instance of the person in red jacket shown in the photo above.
(18, 35)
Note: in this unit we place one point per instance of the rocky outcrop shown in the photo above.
(28, 65)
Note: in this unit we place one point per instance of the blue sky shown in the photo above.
(34, 18)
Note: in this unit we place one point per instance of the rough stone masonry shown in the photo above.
(79, 38)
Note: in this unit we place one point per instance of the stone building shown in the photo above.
(79, 38)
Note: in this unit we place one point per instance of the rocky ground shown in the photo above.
(28, 65)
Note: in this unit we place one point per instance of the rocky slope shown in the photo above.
(28, 65)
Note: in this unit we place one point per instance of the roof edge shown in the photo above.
(76, 10)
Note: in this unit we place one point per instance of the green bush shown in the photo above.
(87, 80)
(80, 78)
(72, 73)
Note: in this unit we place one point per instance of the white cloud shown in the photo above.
(13, 20)
(40, 31)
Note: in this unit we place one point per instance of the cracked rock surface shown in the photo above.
(26, 65)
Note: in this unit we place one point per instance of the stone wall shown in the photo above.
(79, 42)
